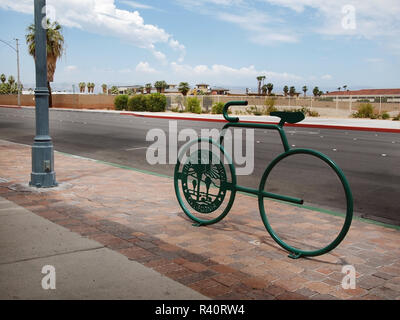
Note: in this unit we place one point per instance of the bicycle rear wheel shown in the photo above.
(318, 225)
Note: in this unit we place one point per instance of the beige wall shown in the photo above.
(99, 101)
(72, 101)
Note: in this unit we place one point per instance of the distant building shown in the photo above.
(389, 95)
(171, 88)
(202, 87)
(219, 91)
(135, 89)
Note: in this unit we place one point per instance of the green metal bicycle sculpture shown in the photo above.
(206, 190)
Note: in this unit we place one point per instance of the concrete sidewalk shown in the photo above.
(85, 269)
(136, 214)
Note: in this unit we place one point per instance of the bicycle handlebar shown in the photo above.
(233, 103)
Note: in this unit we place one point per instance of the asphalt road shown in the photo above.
(370, 160)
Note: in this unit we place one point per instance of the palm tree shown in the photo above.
(184, 88)
(270, 87)
(286, 90)
(11, 81)
(3, 78)
(292, 91)
(92, 86)
(316, 91)
(260, 80)
(344, 87)
(160, 86)
(340, 88)
(264, 89)
(305, 89)
(55, 49)
(148, 87)
(104, 87)
(114, 90)
(82, 87)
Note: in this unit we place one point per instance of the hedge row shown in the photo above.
(154, 102)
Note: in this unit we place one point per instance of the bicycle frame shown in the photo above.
(234, 122)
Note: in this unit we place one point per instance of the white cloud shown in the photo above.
(374, 18)
(136, 5)
(259, 25)
(326, 77)
(145, 68)
(103, 17)
(229, 75)
(70, 68)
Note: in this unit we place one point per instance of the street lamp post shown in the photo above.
(16, 49)
(43, 175)
(18, 73)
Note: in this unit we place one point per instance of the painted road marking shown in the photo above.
(139, 148)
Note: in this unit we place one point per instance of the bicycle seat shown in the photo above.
(289, 117)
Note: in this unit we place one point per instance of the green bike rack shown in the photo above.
(206, 163)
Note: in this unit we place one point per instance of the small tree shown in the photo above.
(286, 90)
(316, 92)
(217, 108)
(148, 87)
(264, 89)
(121, 102)
(193, 105)
(156, 102)
(270, 87)
(137, 103)
(160, 86)
(82, 87)
(305, 89)
(104, 87)
(184, 88)
(292, 91)
(3, 78)
(114, 90)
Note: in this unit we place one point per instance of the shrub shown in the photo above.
(193, 105)
(137, 103)
(156, 102)
(121, 102)
(385, 115)
(365, 110)
(306, 111)
(270, 103)
(218, 108)
(397, 118)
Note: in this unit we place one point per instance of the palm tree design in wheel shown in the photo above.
(204, 182)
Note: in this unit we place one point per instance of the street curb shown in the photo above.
(314, 126)
(298, 125)
(10, 107)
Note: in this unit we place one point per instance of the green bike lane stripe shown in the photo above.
(312, 208)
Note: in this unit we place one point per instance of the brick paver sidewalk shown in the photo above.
(137, 215)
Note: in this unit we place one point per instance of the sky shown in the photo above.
(219, 42)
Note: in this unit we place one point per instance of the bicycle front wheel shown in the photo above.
(321, 222)
(204, 181)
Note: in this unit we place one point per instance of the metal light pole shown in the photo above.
(43, 175)
(19, 79)
(16, 49)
